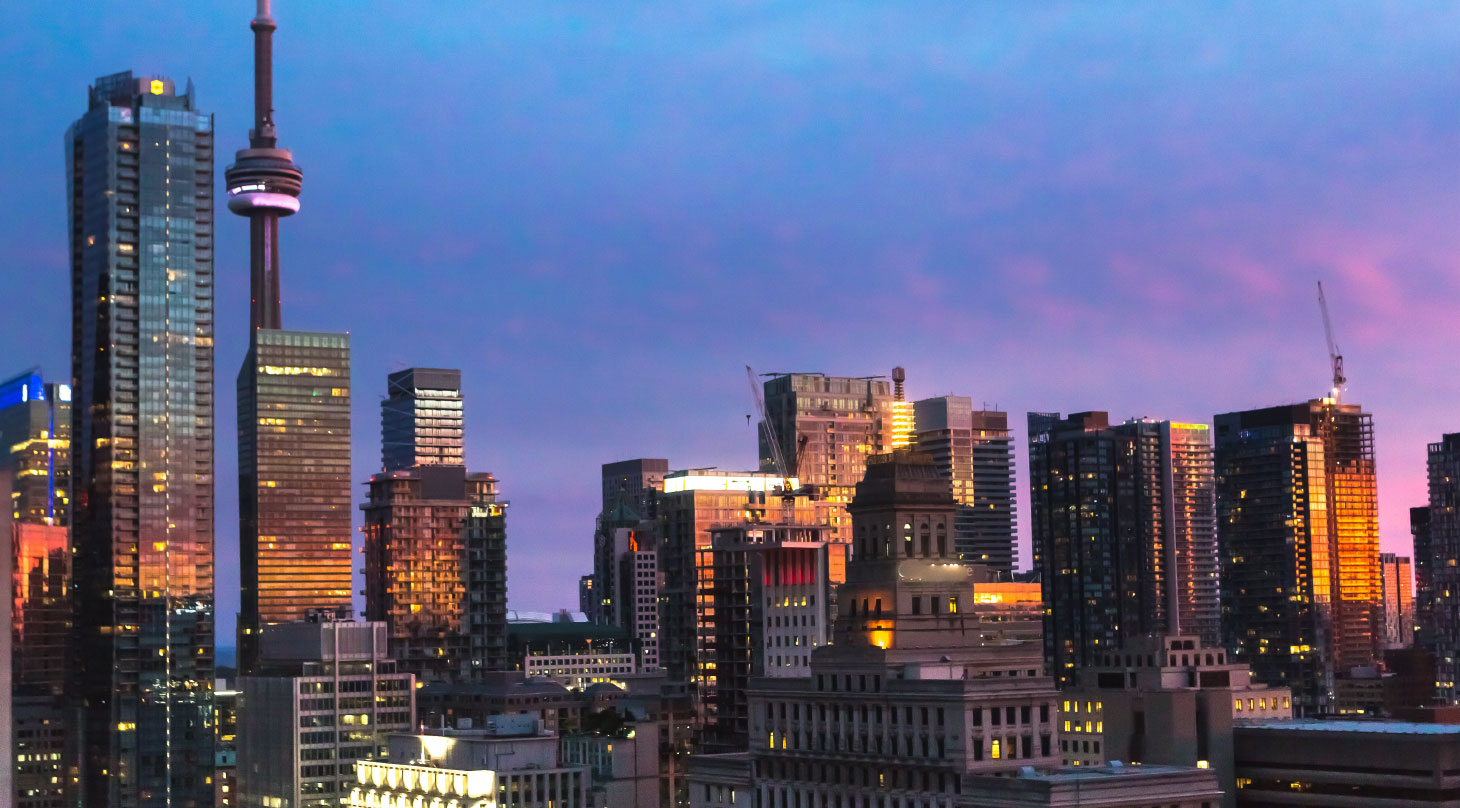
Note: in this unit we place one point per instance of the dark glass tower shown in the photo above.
(975, 451)
(1297, 516)
(1437, 535)
(1124, 534)
(293, 405)
(140, 188)
(421, 419)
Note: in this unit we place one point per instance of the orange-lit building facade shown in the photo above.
(1298, 514)
(294, 481)
(435, 570)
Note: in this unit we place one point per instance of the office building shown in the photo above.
(1124, 532)
(421, 419)
(509, 763)
(764, 606)
(452, 704)
(35, 460)
(1167, 700)
(974, 449)
(325, 695)
(573, 654)
(225, 772)
(639, 481)
(436, 569)
(1375, 764)
(902, 702)
(139, 171)
(1297, 509)
(626, 577)
(293, 405)
(294, 481)
(826, 427)
(35, 444)
(1443, 534)
(1397, 595)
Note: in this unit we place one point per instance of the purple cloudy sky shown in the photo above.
(602, 211)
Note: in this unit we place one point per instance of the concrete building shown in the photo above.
(626, 578)
(436, 569)
(764, 607)
(511, 762)
(325, 696)
(1111, 785)
(1347, 764)
(421, 419)
(1443, 537)
(509, 693)
(1124, 532)
(1297, 503)
(1165, 700)
(1396, 589)
(139, 189)
(903, 704)
(974, 449)
(721, 781)
(623, 765)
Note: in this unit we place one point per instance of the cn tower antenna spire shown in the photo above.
(263, 182)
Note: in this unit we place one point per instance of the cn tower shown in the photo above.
(294, 530)
(263, 182)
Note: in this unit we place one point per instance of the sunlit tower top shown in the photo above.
(1334, 357)
(263, 182)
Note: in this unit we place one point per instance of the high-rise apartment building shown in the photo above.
(436, 570)
(1442, 534)
(35, 443)
(904, 702)
(827, 427)
(1124, 532)
(139, 170)
(293, 406)
(765, 605)
(325, 695)
(421, 419)
(975, 451)
(1297, 509)
(1397, 594)
(1419, 532)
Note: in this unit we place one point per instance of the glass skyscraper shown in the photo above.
(421, 419)
(975, 451)
(1297, 516)
(139, 170)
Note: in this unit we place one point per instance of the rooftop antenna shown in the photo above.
(1334, 357)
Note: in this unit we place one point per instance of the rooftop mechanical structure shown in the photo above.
(263, 182)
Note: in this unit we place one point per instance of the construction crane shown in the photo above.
(788, 471)
(1334, 357)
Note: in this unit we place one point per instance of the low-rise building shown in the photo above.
(1112, 785)
(500, 693)
(720, 781)
(573, 654)
(510, 763)
(1165, 700)
(622, 761)
(1347, 764)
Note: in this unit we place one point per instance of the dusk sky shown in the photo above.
(601, 212)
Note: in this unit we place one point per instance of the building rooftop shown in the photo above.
(1321, 725)
(1069, 774)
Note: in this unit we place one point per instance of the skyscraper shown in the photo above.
(421, 419)
(827, 427)
(1397, 596)
(626, 579)
(640, 481)
(1419, 532)
(35, 461)
(975, 451)
(140, 190)
(1297, 509)
(1443, 577)
(1123, 530)
(293, 406)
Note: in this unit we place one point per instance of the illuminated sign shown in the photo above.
(157, 87)
(727, 482)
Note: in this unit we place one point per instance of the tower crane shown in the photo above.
(1334, 357)
(787, 471)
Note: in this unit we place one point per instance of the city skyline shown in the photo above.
(1353, 199)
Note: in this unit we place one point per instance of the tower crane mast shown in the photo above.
(1334, 357)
